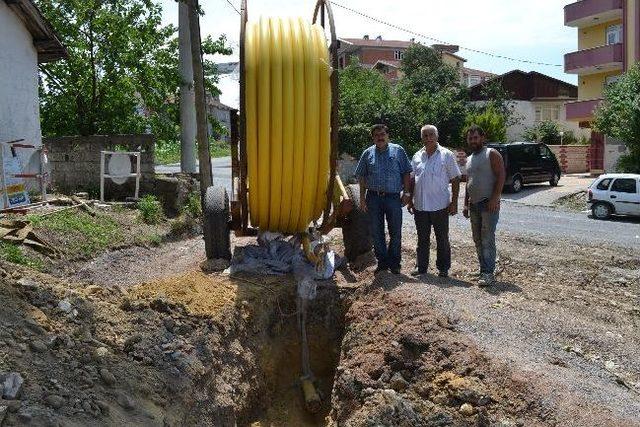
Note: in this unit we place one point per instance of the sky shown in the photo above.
(521, 29)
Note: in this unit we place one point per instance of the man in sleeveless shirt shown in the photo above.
(384, 171)
(485, 179)
(434, 168)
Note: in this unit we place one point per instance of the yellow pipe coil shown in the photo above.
(288, 108)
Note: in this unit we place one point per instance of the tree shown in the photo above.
(619, 117)
(491, 121)
(498, 99)
(364, 97)
(429, 93)
(122, 72)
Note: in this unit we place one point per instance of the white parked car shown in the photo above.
(615, 194)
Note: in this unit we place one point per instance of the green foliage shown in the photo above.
(122, 72)
(168, 152)
(430, 92)
(491, 121)
(86, 235)
(619, 116)
(629, 163)
(547, 132)
(498, 100)
(150, 209)
(192, 206)
(13, 253)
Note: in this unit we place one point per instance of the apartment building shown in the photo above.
(386, 55)
(608, 45)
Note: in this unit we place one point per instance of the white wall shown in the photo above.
(19, 102)
(525, 111)
(613, 150)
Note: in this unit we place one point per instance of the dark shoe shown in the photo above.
(380, 269)
(395, 270)
(443, 274)
(416, 273)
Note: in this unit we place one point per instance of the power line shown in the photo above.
(397, 27)
(234, 8)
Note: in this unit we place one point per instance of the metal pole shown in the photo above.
(187, 95)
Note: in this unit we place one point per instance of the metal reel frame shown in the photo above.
(239, 199)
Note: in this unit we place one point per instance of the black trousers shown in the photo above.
(440, 222)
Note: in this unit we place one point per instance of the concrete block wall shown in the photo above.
(75, 162)
(572, 158)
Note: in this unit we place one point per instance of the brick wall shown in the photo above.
(572, 158)
(75, 162)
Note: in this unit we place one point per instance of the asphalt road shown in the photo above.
(515, 217)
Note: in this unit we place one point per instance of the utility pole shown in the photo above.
(187, 95)
(204, 158)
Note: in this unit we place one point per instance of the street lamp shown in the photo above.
(561, 136)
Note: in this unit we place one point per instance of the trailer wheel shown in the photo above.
(216, 223)
(356, 233)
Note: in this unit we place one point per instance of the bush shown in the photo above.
(150, 209)
(491, 121)
(354, 139)
(629, 163)
(192, 206)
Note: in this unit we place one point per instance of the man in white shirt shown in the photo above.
(434, 168)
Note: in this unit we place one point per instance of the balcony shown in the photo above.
(581, 111)
(586, 13)
(596, 60)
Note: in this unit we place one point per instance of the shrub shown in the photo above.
(491, 121)
(150, 209)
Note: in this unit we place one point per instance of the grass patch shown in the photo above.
(13, 253)
(169, 153)
(150, 209)
(82, 233)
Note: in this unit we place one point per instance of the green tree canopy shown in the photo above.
(122, 72)
(619, 116)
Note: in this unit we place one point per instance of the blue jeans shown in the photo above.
(379, 207)
(483, 228)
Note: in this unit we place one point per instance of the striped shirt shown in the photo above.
(383, 170)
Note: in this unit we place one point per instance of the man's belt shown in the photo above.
(383, 193)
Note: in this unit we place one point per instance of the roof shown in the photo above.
(620, 175)
(528, 86)
(394, 64)
(475, 72)
(378, 43)
(45, 39)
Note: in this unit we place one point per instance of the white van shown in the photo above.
(615, 194)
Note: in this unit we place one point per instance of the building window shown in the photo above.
(474, 80)
(611, 79)
(398, 55)
(614, 34)
(547, 113)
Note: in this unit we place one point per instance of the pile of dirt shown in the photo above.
(193, 349)
(403, 363)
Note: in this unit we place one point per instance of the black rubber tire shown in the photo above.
(216, 223)
(356, 231)
(516, 187)
(601, 210)
(555, 178)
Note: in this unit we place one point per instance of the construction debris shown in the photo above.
(21, 233)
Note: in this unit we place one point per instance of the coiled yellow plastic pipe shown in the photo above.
(288, 107)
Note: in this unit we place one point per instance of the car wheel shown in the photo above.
(601, 211)
(516, 186)
(555, 178)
